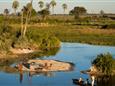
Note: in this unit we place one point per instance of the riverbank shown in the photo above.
(12, 42)
(80, 34)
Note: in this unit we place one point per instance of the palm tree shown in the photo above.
(6, 12)
(22, 20)
(64, 6)
(53, 4)
(41, 4)
(27, 13)
(15, 6)
(102, 13)
(47, 6)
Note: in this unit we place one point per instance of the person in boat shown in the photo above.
(80, 80)
(87, 82)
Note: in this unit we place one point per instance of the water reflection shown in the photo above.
(21, 76)
(32, 74)
(9, 61)
(105, 80)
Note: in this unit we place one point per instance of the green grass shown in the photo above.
(11, 38)
(104, 63)
(86, 30)
(81, 34)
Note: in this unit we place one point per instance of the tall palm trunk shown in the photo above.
(27, 20)
(15, 12)
(53, 10)
(26, 24)
(64, 11)
(22, 27)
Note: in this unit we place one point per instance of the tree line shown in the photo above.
(41, 4)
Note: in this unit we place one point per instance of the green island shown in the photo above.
(105, 64)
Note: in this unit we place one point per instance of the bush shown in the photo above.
(43, 40)
(11, 38)
(111, 26)
(6, 37)
(104, 63)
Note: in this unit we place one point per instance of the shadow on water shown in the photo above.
(32, 74)
(105, 81)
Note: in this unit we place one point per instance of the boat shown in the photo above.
(81, 83)
(77, 82)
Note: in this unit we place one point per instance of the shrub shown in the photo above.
(104, 63)
(43, 40)
(6, 37)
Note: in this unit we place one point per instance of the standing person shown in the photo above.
(92, 80)
(20, 66)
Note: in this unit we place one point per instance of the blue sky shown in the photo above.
(91, 5)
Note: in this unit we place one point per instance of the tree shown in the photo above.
(102, 13)
(53, 4)
(64, 6)
(71, 12)
(44, 13)
(15, 6)
(5, 22)
(47, 6)
(78, 11)
(41, 4)
(26, 11)
(6, 12)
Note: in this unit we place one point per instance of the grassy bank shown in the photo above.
(91, 30)
(78, 33)
(11, 38)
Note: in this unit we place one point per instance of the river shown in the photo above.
(79, 54)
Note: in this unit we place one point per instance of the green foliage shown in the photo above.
(33, 12)
(21, 42)
(44, 13)
(64, 6)
(78, 11)
(11, 38)
(53, 4)
(6, 37)
(104, 62)
(43, 40)
(1, 19)
(6, 12)
(111, 26)
(41, 4)
(15, 4)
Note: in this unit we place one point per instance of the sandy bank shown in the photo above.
(47, 65)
